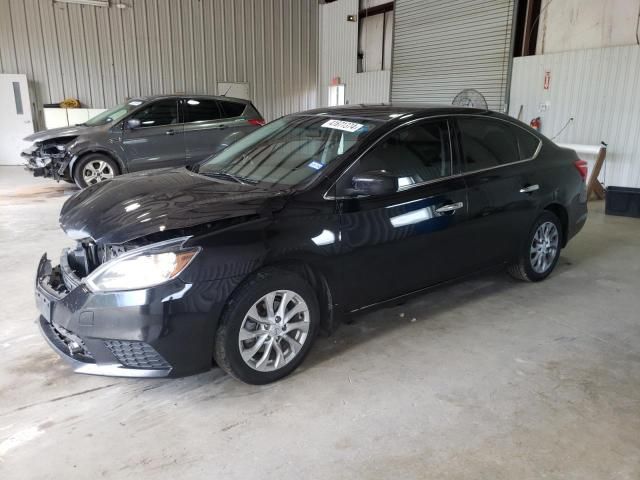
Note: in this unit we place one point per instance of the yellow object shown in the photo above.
(70, 103)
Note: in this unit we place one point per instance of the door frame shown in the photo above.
(28, 115)
(121, 127)
(430, 190)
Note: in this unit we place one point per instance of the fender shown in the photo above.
(264, 242)
(77, 150)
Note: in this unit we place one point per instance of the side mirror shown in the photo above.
(374, 183)
(133, 123)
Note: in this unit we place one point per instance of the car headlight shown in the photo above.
(143, 267)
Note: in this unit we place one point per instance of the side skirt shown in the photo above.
(404, 296)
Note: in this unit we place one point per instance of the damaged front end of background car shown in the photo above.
(50, 158)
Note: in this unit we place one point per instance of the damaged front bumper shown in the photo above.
(46, 162)
(155, 332)
(68, 314)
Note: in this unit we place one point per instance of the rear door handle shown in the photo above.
(451, 207)
(170, 132)
(529, 188)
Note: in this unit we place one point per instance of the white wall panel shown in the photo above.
(104, 55)
(599, 89)
(372, 41)
(338, 57)
(579, 24)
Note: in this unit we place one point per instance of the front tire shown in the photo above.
(268, 327)
(94, 168)
(540, 255)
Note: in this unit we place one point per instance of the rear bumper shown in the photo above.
(577, 213)
(163, 331)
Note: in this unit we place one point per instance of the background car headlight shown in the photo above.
(143, 267)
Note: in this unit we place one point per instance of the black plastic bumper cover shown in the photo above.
(161, 331)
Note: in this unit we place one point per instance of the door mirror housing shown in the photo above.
(374, 183)
(133, 123)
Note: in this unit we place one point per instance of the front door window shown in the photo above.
(163, 112)
(416, 154)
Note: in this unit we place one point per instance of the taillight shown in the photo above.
(258, 122)
(581, 166)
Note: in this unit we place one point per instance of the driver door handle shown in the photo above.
(450, 207)
(529, 188)
(170, 132)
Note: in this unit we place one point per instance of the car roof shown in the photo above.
(391, 111)
(180, 95)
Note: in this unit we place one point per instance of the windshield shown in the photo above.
(114, 114)
(289, 151)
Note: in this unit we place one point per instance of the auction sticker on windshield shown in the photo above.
(342, 125)
(315, 165)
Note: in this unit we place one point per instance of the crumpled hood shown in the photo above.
(57, 133)
(136, 205)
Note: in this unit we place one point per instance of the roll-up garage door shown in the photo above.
(442, 47)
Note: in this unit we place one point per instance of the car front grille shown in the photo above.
(137, 355)
(69, 342)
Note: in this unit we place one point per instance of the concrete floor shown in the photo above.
(493, 379)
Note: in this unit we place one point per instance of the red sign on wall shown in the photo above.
(547, 79)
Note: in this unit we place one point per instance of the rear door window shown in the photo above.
(527, 142)
(162, 112)
(231, 109)
(487, 143)
(201, 110)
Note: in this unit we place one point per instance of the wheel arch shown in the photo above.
(316, 279)
(320, 284)
(78, 156)
(563, 215)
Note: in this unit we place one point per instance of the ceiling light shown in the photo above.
(93, 3)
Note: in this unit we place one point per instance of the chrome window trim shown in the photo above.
(326, 195)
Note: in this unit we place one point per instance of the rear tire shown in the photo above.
(541, 252)
(94, 168)
(257, 343)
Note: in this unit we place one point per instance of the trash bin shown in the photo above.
(623, 201)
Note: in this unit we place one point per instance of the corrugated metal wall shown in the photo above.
(599, 89)
(441, 48)
(104, 55)
(339, 56)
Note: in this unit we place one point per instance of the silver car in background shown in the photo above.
(141, 134)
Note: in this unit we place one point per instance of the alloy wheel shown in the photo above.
(274, 330)
(96, 171)
(544, 247)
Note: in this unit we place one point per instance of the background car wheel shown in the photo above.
(268, 327)
(94, 168)
(542, 250)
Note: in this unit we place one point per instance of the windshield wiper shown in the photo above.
(235, 178)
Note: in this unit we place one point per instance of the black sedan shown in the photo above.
(242, 259)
